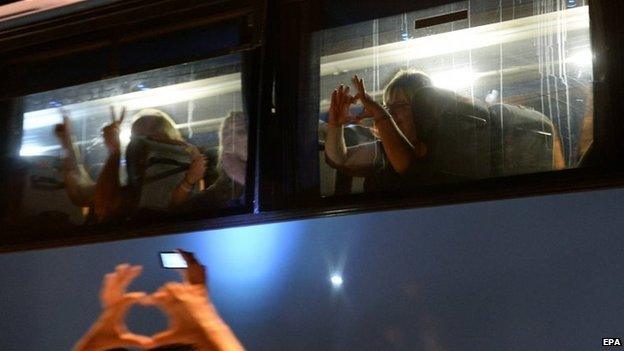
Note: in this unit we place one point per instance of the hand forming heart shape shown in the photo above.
(193, 319)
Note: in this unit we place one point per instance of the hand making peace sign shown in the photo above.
(111, 131)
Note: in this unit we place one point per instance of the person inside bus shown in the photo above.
(398, 147)
(79, 185)
(190, 193)
(112, 200)
(231, 168)
(194, 322)
(404, 154)
(107, 199)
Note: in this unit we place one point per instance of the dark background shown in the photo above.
(540, 273)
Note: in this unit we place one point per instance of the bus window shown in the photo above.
(156, 144)
(465, 91)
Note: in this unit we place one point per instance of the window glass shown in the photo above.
(162, 143)
(465, 91)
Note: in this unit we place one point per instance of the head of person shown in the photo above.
(398, 97)
(233, 135)
(154, 123)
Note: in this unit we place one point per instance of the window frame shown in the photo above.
(283, 167)
(603, 169)
(43, 42)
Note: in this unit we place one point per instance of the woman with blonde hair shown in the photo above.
(114, 201)
(398, 147)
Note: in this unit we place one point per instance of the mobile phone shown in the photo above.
(172, 260)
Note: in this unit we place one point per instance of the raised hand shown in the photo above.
(341, 101)
(110, 331)
(197, 169)
(195, 273)
(372, 109)
(192, 317)
(111, 131)
(63, 130)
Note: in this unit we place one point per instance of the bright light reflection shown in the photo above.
(454, 79)
(248, 264)
(36, 150)
(135, 101)
(336, 280)
(124, 136)
(582, 58)
(457, 41)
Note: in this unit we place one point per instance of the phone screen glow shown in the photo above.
(172, 260)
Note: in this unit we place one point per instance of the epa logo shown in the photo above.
(611, 342)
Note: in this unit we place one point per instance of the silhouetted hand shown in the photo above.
(192, 316)
(110, 331)
(341, 101)
(63, 130)
(195, 273)
(111, 131)
(371, 107)
(197, 169)
(193, 319)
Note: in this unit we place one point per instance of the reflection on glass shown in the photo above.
(506, 90)
(164, 142)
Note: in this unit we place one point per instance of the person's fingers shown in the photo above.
(120, 273)
(105, 290)
(122, 306)
(188, 256)
(195, 275)
(160, 297)
(194, 272)
(364, 115)
(355, 82)
(166, 292)
(66, 120)
(112, 114)
(364, 98)
(131, 340)
(130, 299)
(359, 84)
(133, 297)
(59, 130)
(122, 267)
(353, 99)
(122, 115)
(167, 337)
(129, 275)
(175, 290)
(65, 115)
(147, 300)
